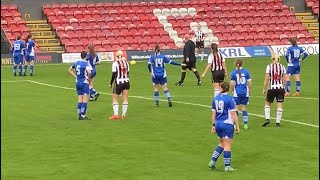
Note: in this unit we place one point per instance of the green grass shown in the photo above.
(41, 137)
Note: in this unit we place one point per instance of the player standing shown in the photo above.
(274, 87)
(189, 58)
(81, 70)
(293, 55)
(241, 86)
(29, 54)
(200, 36)
(224, 118)
(120, 76)
(93, 60)
(156, 66)
(218, 68)
(17, 52)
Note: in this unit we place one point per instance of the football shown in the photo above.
(133, 62)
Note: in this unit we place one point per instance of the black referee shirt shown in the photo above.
(189, 50)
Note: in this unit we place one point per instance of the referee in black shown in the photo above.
(189, 58)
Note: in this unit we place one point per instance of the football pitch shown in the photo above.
(41, 138)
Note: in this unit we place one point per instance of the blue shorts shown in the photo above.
(82, 88)
(225, 130)
(241, 100)
(29, 58)
(93, 73)
(18, 59)
(291, 70)
(159, 80)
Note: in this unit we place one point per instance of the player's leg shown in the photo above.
(125, 94)
(196, 73)
(227, 142)
(91, 94)
(244, 101)
(219, 149)
(20, 59)
(166, 91)
(85, 98)
(155, 82)
(183, 74)
(15, 64)
(32, 59)
(201, 50)
(297, 79)
(269, 99)
(288, 77)
(79, 93)
(27, 62)
(115, 105)
(280, 99)
(216, 87)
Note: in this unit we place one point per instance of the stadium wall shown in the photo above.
(41, 58)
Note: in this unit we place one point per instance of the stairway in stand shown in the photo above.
(311, 22)
(45, 36)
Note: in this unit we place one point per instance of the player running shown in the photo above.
(241, 86)
(81, 70)
(120, 77)
(17, 52)
(93, 60)
(156, 66)
(224, 118)
(200, 36)
(274, 87)
(293, 55)
(29, 54)
(218, 68)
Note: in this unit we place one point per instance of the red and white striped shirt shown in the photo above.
(216, 61)
(276, 73)
(121, 67)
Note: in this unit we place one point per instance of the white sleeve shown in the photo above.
(268, 69)
(284, 70)
(89, 67)
(114, 67)
(210, 59)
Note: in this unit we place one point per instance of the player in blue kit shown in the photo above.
(224, 117)
(93, 60)
(29, 54)
(241, 86)
(81, 70)
(156, 66)
(293, 57)
(17, 52)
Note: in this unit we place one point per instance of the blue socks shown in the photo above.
(217, 153)
(31, 69)
(15, 70)
(83, 109)
(288, 84)
(227, 158)
(25, 69)
(298, 85)
(245, 117)
(167, 94)
(156, 96)
(20, 69)
(92, 92)
(79, 108)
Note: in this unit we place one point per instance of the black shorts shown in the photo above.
(118, 88)
(200, 44)
(217, 76)
(275, 93)
(190, 65)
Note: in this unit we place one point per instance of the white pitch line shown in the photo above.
(13, 81)
(180, 102)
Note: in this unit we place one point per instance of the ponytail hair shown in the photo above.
(225, 87)
(28, 37)
(214, 48)
(239, 63)
(91, 51)
(293, 41)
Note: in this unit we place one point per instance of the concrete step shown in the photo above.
(48, 44)
(303, 14)
(51, 49)
(46, 41)
(40, 29)
(44, 37)
(37, 22)
(43, 33)
(38, 26)
(311, 26)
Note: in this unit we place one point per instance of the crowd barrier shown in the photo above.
(227, 52)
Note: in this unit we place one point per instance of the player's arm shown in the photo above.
(114, 74)
(213, 117)
(210, 59)
(150, 62)
(89, 69)
(97, 60)
(284, 81)
(288, 56)
(304, 53)
(249, 81)
(71, 71)
(224, 66)
(169, 61)
(233, 113)
(265, 83)
(188, 50)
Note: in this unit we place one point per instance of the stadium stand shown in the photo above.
(141, 25)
